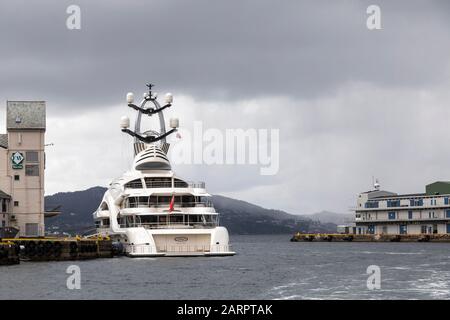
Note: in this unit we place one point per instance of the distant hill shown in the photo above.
(238, 216)
(332, 217)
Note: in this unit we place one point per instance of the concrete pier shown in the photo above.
(54, 249)
(9, 253)
(305, 237)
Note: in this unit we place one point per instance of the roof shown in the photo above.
(438, 187)
(4, 195)
(4, 141)
(25, 115)
(400, 196)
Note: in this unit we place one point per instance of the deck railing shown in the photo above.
(166, 184)
(145, 204)
(179, 248)
(170, 225)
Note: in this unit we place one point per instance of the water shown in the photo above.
(266, 267)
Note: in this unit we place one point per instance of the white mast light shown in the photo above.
(130, 97)
(169, 98)
(124, 122)
(174, 123)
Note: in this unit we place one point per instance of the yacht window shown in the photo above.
(180, 183)
(104, 206)
(176, 218)
(134, 184)
(147, 219)
(158, 182)
(164, 199)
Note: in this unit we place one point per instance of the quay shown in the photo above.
(9, 253)
(14, 250)
(309, 237)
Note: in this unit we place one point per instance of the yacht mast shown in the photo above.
(151, 136)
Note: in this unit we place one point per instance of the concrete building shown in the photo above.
(383, 212)
(22, 164)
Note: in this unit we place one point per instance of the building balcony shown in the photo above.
(404, 207)
(437, 219)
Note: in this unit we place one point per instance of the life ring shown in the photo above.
(16, 248)
(73, 249)
(30, 248)
(57, 248)
(40, 248)
(48, 248)
(3, 253)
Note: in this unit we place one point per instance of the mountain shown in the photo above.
(331, 217)
(76, 209)
(238, 216)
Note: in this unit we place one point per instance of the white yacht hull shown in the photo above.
(171, 242)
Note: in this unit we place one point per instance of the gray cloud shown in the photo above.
(218, 50)
(350, 103)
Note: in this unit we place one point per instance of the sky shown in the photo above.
(349, 103)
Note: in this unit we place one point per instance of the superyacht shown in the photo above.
(149, 209)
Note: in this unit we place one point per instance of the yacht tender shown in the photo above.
(150, 209)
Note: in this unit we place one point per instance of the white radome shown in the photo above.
(130, 97)
(169, 98)
(124, 122)
(174, 123)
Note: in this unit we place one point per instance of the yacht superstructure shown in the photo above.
(150, 209)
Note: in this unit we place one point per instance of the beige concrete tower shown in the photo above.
(22, 164)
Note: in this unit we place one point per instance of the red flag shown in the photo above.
(172, 202)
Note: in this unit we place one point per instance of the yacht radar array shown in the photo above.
(149, 209)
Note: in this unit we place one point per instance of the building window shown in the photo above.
(391, 215)
(403, 229)
(371, 204)
(32, 170)
(371, 229)
(16, 177)
(4, 206)
(32, 156)
(31, 229)
(16, 203)
(393, 203)
(416, 202)
(410, 214)
(423, 229)
(448, 228)
(446, 200)
(447, 214)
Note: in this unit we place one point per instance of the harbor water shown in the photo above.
(265, 267)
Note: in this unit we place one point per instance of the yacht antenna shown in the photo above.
(149, 136)
(150, 86)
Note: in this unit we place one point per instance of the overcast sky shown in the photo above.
(350, 103)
